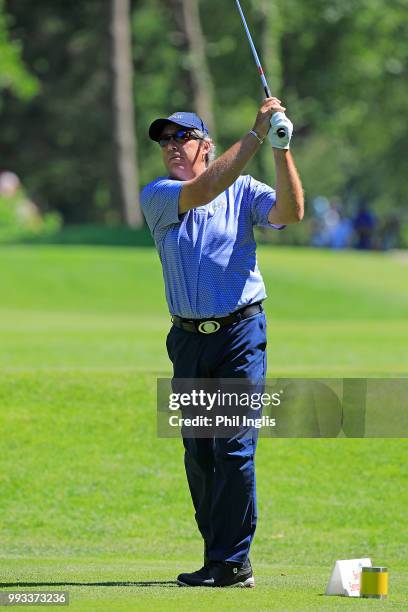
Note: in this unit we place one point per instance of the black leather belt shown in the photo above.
(209, 326)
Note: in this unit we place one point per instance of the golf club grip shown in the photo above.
(281, 131)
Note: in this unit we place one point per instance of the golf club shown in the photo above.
(281, 132)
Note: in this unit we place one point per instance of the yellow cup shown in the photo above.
(374, 582)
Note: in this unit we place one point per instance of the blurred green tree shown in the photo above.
(60, 142)
(344, 80)
(14, 76)
(340, 66)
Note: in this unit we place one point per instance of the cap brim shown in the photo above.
(155, 130)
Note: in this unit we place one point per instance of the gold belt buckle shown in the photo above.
(209, 327)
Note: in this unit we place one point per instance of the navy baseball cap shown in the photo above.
(187, 120)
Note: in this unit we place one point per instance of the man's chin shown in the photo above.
(177, 170)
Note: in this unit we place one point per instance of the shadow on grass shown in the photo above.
(146, 583)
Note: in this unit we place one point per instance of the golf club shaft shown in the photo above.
(268, 94)
(254, 52)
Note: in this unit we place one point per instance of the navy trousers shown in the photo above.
(221, 471)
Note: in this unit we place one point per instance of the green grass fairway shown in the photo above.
(94, 503)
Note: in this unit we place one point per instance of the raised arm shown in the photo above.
(289, 206)
(222, 173)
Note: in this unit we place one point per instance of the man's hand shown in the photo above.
(279, 122)
(263, 119)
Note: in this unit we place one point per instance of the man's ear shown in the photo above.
(206, 146)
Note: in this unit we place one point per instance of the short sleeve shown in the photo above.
(160, 204)
(261, 199)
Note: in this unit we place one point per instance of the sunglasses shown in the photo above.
(180, 137)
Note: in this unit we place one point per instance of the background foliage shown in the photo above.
(339, 66)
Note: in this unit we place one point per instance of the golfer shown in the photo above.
(201, 216)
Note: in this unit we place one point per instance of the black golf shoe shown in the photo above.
(194, 578)
(220, 574)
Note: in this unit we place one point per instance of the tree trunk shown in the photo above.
(125, 152)
(187, 17)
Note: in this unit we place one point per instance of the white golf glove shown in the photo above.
(279, 121)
